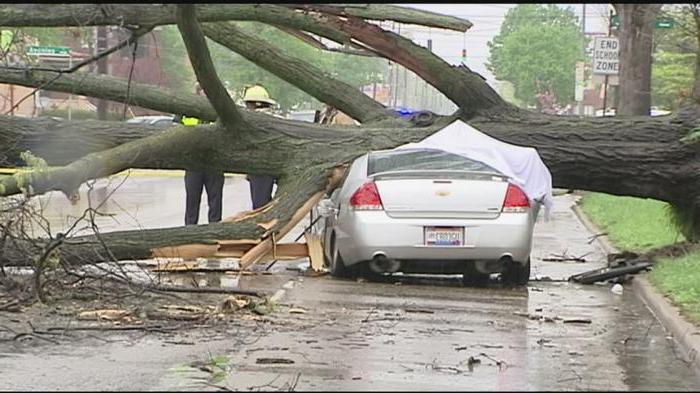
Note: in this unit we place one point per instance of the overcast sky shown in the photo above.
(487, 19)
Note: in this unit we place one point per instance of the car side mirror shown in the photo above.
(326, 208)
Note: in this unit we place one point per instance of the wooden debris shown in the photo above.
(259, 251)
(273, 361)
(315, 251)
(107, 315)
(268, 225)
(187, 251)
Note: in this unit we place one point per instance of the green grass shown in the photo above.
(680, 280)
(639, 225)
(632, 224)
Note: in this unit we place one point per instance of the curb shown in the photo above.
(685, 333)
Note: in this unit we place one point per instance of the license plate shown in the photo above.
(444, 236)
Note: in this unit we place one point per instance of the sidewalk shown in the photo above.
(686, 335)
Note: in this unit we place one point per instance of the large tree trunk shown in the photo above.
(636, 38)
(627, 156)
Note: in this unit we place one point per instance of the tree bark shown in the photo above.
(298, 72)
(636, 38)
(634, 156)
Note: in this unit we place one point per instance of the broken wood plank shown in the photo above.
(315, 250)
(250, 213)
(186, 251)
(259, 251)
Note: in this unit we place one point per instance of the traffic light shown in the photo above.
(464, 54)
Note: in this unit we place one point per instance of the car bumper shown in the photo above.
(364, 234)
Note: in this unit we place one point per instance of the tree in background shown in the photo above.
(674, 54)
(536, 50)
(635, 35)
(239, 72)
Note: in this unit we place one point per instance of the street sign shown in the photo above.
(48, 50)
(660, 23)
(606, 56)
(663, 23)
(615, 21)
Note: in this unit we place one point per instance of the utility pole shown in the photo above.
(583, 51)
(605, 85)
(102, 68)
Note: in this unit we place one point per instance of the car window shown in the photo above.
(412, 160)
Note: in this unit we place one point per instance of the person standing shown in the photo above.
(257, 98)
(196, 180)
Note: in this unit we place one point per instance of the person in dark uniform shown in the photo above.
(195, 181)
(258, 99)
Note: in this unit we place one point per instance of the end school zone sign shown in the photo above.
(606, 56)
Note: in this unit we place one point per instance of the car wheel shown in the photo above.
(336, 264)
(517, 274)
(473, 277)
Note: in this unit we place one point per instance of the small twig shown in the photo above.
(597, 235)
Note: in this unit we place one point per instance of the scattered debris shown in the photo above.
(356, 378)
(234, 303)
(543, 341)
(616, 289)
(273, 361)
(107, 315)
(472, 361)
(494, 346)
(597, 235)
(417, 310)
(621, 269)
(297, 311)
(577, 320)
(565, 257)
(462, 348)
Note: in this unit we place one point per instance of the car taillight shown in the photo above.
(516, 201)
(366, 198)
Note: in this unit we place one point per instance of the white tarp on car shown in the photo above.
(522, 164)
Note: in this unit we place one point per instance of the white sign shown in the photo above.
(606, 56)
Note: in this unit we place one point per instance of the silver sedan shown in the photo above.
(428, 211)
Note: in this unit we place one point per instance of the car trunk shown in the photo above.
(441, 197)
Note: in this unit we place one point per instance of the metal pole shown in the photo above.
(605, 86)
(583, 50)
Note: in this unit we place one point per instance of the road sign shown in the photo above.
(660, 23)
(606, 56)
(663, 23)
(48, 50)
(615, 21)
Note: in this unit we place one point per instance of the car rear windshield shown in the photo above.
(418, 160)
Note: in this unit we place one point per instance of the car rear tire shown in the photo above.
(336, 265)
(517, 274)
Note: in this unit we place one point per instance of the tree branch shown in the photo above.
(298, 72)
(386, 12)
(320, 45)
(198, 52)
(81, 15)
(132, 38)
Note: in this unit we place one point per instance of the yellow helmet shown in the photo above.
(257, 93)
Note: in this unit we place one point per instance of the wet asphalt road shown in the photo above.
(409, 333)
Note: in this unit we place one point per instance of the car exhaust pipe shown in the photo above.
(506, 261)
(381, 264)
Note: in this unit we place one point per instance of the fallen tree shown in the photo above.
(636, 156)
